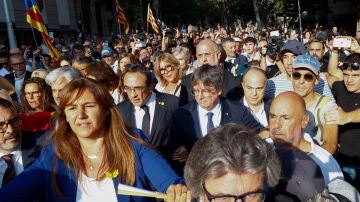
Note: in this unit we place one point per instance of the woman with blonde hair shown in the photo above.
(91, 152)
(168, 74)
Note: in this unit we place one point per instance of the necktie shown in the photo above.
(10, 170)
(210, 124)
(146, 121)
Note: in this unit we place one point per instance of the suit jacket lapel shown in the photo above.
(195, 113)
(225, 113)
(160, 109)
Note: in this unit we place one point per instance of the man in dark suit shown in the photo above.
(18, 63)
(254, 84)
(17, 151)
(145, 108)
(208, 52)
(232, 59)
(194, 120)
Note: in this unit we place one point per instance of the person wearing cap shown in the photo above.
(108, 57)
(346, 88)
(287, 123)
(282, 82)
(304, 76)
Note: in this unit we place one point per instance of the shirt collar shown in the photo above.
(215, 110)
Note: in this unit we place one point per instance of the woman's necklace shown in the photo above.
(92, 158)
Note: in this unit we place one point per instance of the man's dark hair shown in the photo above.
(209, 75)
(5, 55)
(133, 68)
(352, 58)
(78, 47)
(7, 104)
(249, 39)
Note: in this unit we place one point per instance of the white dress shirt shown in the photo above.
(3, 72)
(329, 166)
(203, 117)
(139, 113)
(18, 164)
(90, 190)
(259, 115)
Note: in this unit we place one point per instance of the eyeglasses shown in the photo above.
(32, 94)
(205, 92)
(307, 77)
(18, 64)
(254, 196)
(354, 66)
(206, 55)
(167, 68)
(138, 89)
(14, 122)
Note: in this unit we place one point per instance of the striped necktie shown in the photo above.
(10, 170)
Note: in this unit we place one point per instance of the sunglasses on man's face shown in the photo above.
(298, 75)
(354, 66)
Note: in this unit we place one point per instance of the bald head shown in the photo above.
(207, 52)
(254, 84)
(288, 118)
(293, 99)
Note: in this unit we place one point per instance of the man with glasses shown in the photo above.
(231, 164)
(305, 75)
(208, 52)
(146, 108)
(17, 151)
(346, 89)
(195, 119)
(5, 68)
(18, 64)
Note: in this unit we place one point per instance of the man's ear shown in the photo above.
(218, 54)
(305, 121)
(317, 78)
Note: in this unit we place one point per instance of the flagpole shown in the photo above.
(32, 30)
(10, 31)
(147, 19)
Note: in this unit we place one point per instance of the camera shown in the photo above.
(274, 47)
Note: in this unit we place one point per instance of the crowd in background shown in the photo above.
(177, 86)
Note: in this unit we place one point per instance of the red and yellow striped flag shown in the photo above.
(120, 15)
(151, 19)
(34, 18)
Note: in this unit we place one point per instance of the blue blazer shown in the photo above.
(36, 181)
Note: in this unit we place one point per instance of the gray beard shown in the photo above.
(9, 149)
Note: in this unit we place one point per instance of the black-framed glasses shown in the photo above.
(167, 68)
(354, 66)
(254, 196)
(18, 64)
(14, 122)
(137, 89)
(298, 75)
(204, 92)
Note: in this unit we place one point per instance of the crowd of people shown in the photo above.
(211, 114)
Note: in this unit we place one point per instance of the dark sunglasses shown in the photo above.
(307, 77)
(354, 66)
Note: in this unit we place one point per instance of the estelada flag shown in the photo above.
(151, 20)
(120, 15)
(34, 18)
